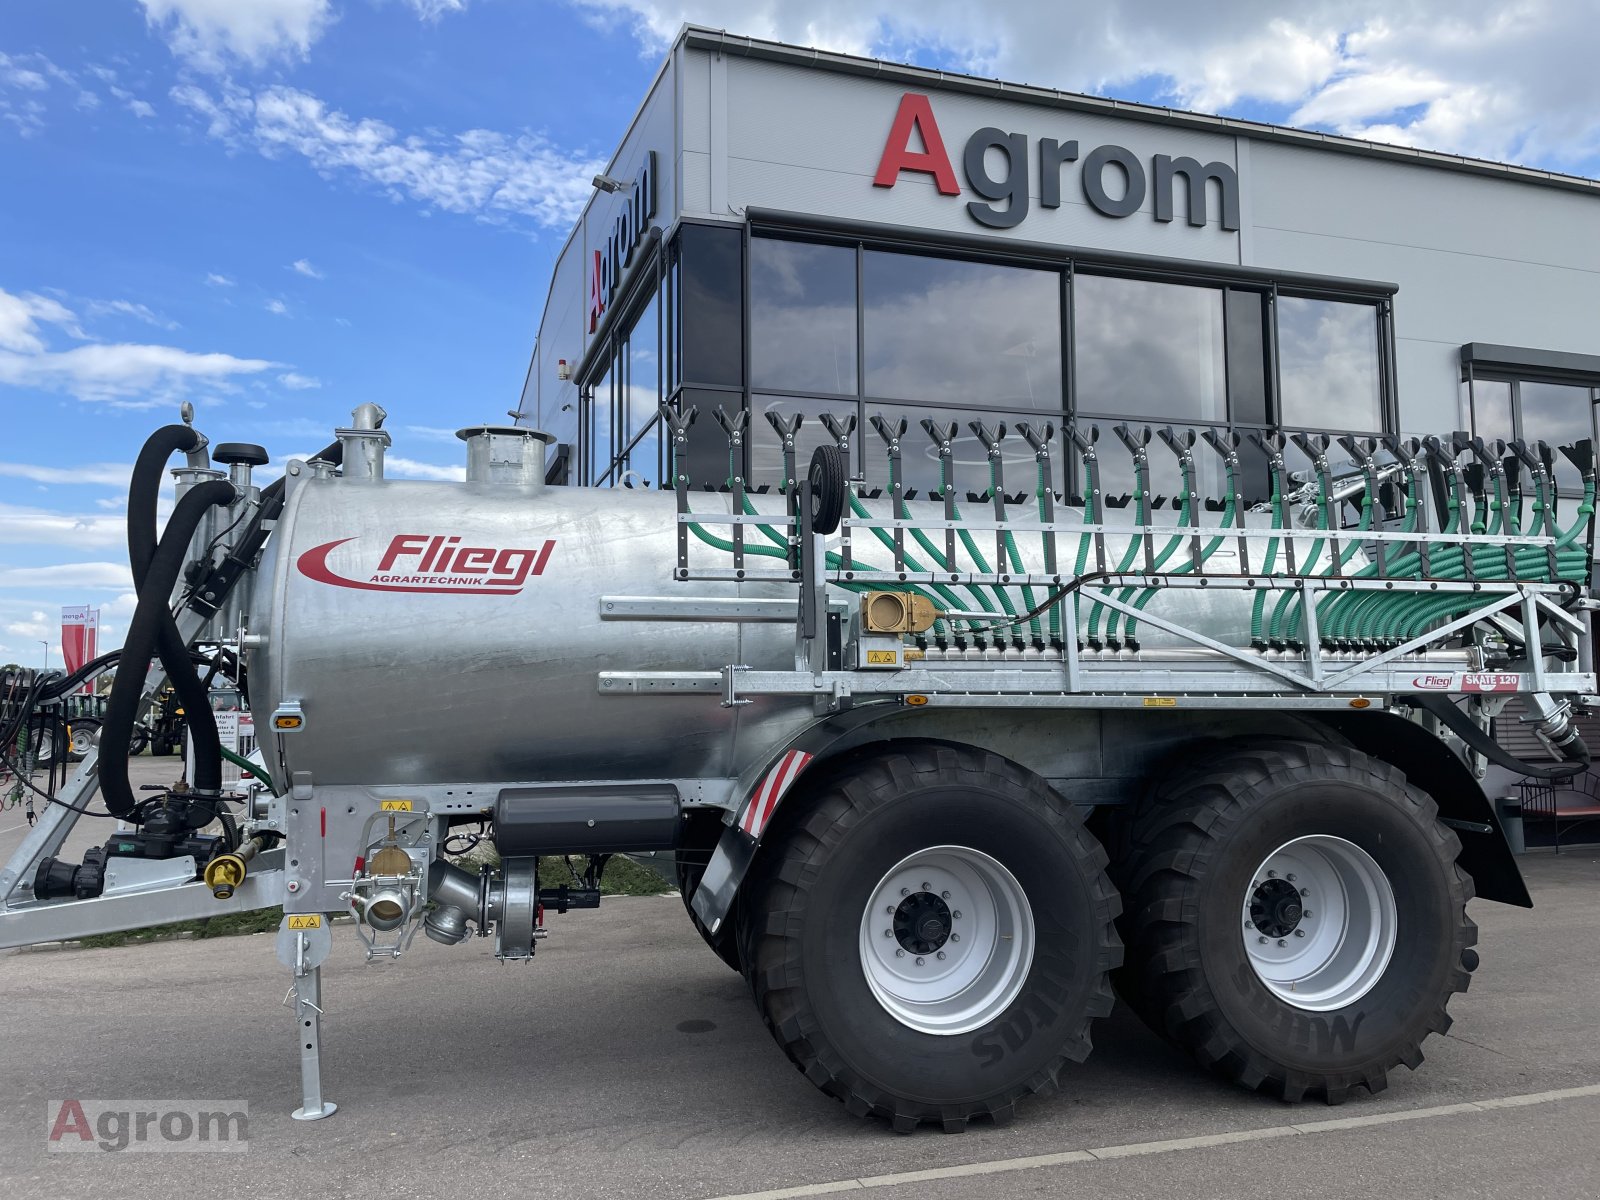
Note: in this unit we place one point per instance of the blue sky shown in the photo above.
(279, 209)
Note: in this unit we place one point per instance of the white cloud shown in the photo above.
(1497, 79)
(127, 308)
(14, 74)
(45, 527)
(215, 280)
(126, 375)
(141, 108)
(84, 575)
(210, 32)
(479, 172)
(277, 308)
(297, 382)
(105, 474)
(304, 267)
(432, 10)
(410, 468)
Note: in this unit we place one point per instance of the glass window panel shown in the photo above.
(708, 445)
(961, 332)
(1559, 414)
(599, 429)
(766, 459)
(1491, 408)
(1150, 351)
(919, 455)
(644, 370)
(641, 468)
(1328, 365)
(711, 283)
(802, 316)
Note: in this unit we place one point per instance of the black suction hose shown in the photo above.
(174, 652)
(144, 634)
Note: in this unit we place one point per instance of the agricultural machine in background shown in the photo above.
(937, 780)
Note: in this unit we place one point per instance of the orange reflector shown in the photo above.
(1361, 702)
(916, 701)
(287, 721)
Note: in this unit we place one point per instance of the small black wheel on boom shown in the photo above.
(929, 933)
(828, 478)
(1295, 917)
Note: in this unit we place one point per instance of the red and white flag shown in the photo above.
(80, 636)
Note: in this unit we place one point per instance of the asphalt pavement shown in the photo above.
(627, 1061)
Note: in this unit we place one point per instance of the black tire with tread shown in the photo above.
(1182, 850)
(802, 909)
(829, 478)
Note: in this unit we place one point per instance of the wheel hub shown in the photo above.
(946, 940)
(1275, 908)
(922, 923)
(1320, 922)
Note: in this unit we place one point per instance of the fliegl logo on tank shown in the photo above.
(421, 562)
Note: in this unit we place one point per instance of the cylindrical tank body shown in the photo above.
(438, 633)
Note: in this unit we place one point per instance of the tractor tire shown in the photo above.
(139, 742)
(1295, 917)
(48, 739)
(84, 733)
(725, 944)
(852, 923)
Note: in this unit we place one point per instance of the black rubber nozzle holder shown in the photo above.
(1449, 482)
(677, 425)
(143, 489)
(892, 432)
(734, 426)
(1138, 446)
(840, 429)
(1182, 447)
(1535, 458)
(786, 428)
(150, 618)
(1363, 452)
(1226, 443)
(1272, 445)
(1040, 440)
(1092, 511)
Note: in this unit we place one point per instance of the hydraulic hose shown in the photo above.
(144, 633)
(170, 646)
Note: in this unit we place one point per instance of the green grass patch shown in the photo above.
(262, 920)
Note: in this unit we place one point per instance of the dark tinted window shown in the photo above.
(969, 461)
(961, 332)
(802, 316)
(1490, 401)
(710, 281)
(766, 465)
(1148, 351)
(1559, 414)
(1328, 364)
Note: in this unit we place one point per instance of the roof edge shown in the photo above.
(720, 41)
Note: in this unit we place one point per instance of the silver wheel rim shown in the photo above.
(1319, 922)
(82, 741)
(947, 940)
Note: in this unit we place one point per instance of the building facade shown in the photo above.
(794, 232)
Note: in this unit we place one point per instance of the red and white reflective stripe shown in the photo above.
(772, 788)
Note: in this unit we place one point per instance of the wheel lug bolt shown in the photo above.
(889, 909)
(1308, 914)
(905, 891)
(955, 937)
(1290, 878)
(1305, 892)
(1281, 942)
(1299, 933)
(888, 933)
(899, 953)
(1272, 874)
(944, 895)
(956, 915)
(919, 962)
(926, 888)
(941, 956)
(1263, 941)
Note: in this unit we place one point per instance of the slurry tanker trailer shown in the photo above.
(938, 783)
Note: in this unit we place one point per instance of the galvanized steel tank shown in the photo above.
(438, 632)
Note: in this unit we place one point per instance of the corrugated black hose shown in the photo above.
(150, 618)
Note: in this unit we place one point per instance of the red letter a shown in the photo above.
(916, 114)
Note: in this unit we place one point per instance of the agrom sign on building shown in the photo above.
(627, 231)
(1115, 182)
